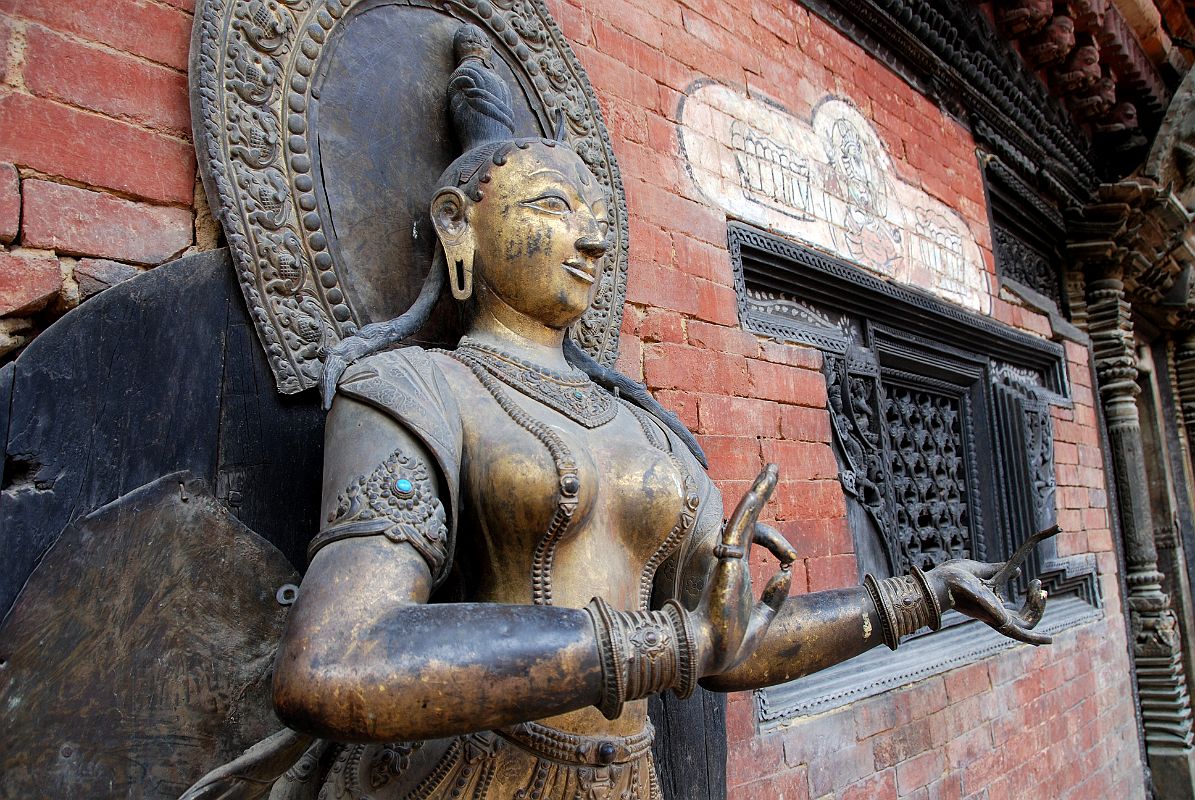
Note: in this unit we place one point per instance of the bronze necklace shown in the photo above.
(569, 482)
(571, 393)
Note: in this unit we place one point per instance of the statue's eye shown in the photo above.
(552, 203)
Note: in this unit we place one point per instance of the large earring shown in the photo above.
(459, 260)
(448, 213)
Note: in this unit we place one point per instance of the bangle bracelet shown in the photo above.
(905, 604)
(642, 653)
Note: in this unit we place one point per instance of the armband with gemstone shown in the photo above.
(905, 604)
(397, 500)
(643, 652)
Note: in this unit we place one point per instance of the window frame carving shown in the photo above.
(1004, 382)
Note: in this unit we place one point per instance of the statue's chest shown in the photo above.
(560, 513)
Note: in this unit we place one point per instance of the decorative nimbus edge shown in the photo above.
(251, 69)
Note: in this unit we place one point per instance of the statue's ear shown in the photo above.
(449, 216)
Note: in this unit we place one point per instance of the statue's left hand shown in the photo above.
(967, 586)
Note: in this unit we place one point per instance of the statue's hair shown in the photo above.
(480, 105)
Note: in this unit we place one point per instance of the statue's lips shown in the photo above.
(580, 269)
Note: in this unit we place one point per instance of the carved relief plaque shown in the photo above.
(829, 182)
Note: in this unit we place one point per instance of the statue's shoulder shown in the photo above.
(409, 384)
(408, 373)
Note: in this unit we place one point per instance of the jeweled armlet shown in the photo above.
(397, 500)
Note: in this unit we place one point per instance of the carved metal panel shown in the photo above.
(327, 239)
(926, 465)
(1024, 264)
(925, 401)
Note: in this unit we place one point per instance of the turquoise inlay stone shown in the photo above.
(404, 486)
(577, 393)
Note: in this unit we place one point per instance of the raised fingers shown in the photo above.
(777, 545)
(1035, 605)
(741, 524)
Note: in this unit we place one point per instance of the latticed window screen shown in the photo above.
(907, 448)
(942, 429)
(944, 449)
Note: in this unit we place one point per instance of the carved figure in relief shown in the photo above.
(1023, 17)
(1051, 46)
(1098, 101)
(1081, 69)
(519, 546)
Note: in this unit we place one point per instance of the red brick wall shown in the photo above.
(97, 180)
(1053, 722)
(97, 170)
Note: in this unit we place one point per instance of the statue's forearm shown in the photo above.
(430, 671)
(811, 632)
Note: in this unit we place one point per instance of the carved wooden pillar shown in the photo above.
(1184, 367)
(1157, 650)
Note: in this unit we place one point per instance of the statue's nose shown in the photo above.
(592, 246)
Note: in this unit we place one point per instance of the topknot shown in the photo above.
(470, 41)
(478, 97)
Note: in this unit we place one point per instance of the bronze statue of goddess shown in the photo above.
(561, 517)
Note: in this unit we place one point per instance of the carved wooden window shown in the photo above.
(1025, 236)
(905, 431)
(942, 427)
(941, 417)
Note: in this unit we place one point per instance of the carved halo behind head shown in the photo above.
(320, 143)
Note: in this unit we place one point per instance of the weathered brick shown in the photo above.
(902, 743)
(801, 387)
(805, 424)
(28, 281)
(5, 38)
(708, 261)
(110, 83)
(921, 770)
(10, 202)
(793, 355)
(749, 759)
(57, 140)
(732, 457)
(140, 27)
(82, 222)
(849, 762)
(738, 416)
(831, 572)
(676, 366)
(683, 404)
(787, 785)
(661, 325)
(808, 500)
(698, 221)
(723, 339)
(630, 357)
(801, 460)
(880, 785)
(967, 681)
(966, 747)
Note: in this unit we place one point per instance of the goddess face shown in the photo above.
(538, 233)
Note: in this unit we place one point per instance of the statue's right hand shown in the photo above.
(344, 354)
(334, 367)
(728, 620)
